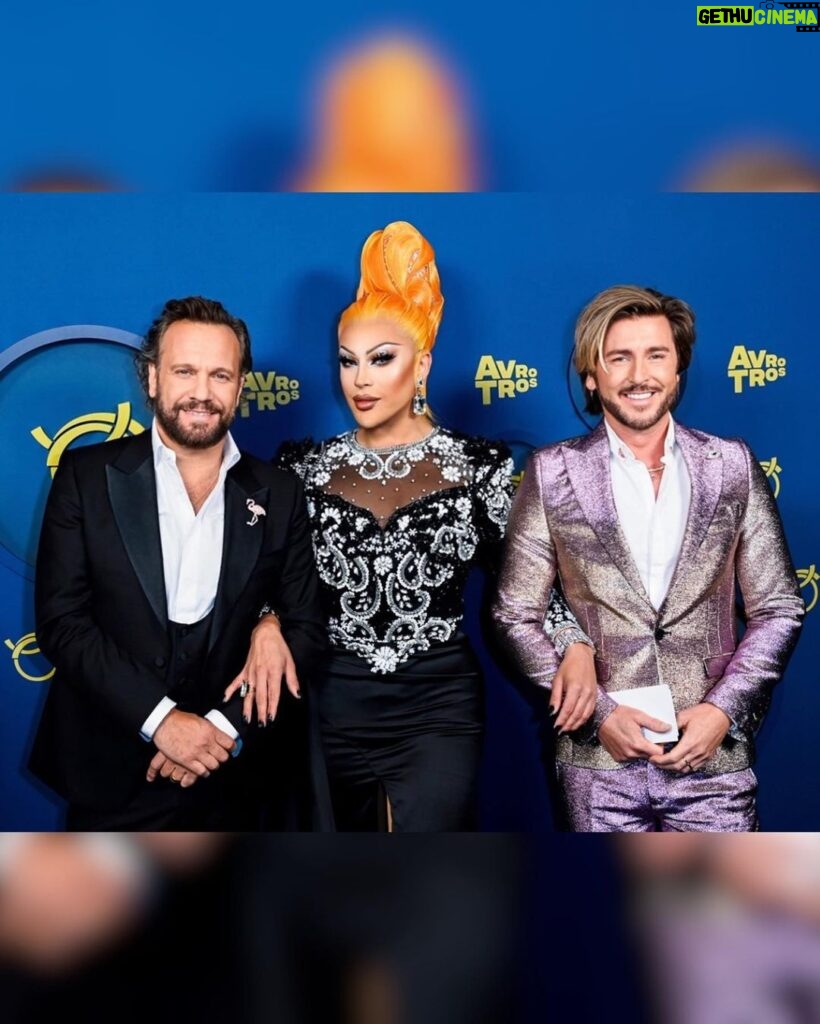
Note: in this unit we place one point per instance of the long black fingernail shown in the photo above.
(553, 711)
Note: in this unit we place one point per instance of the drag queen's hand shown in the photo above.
(574, 688)
(269, 661)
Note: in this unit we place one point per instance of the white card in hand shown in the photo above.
(655, 701)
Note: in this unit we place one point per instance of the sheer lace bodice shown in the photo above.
(386, 480)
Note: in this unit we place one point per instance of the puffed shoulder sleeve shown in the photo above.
(493, 497)
(294, 456)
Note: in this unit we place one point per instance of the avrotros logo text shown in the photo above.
(503, 378)
(754, 368)
(266, 390)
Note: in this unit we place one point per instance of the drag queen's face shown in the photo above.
(379, 366)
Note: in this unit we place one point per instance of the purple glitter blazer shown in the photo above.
(564, 522)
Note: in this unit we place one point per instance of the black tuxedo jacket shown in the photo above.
(102, 619)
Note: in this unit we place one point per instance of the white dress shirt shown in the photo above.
(191, 553)
(653, 526)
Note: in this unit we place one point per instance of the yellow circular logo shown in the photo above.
(772, 468)
(113, 424)
(809, 578)
(25, 647)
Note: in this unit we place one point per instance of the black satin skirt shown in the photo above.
(403, 749)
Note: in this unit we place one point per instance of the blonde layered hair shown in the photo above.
(622, 302)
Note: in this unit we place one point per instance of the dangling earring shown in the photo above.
(420, 400)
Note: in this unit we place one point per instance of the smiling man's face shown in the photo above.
(196, 384)
(637, 381)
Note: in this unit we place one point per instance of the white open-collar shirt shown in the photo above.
(191, 541)
(653, 526)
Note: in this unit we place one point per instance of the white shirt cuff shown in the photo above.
(152, 722)
(221, 722)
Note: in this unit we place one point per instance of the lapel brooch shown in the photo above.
(255, 510)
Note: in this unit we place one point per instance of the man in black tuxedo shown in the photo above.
(156, 555)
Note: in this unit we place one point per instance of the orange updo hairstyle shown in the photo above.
(400, 283)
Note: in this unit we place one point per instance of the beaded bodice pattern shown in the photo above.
(395, 533)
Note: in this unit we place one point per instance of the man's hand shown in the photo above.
(269, 659)
(192, 742)
(703, 728)
(167, 769)
(622, 738)
(574, 688)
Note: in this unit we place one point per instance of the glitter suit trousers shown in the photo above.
(643, 798)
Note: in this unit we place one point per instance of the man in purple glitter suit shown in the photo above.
(651, 526)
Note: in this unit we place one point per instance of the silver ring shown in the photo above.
(243, 689)
(688, 766)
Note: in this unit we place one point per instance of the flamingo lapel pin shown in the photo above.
(255, 510)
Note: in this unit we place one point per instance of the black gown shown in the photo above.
(395, 534)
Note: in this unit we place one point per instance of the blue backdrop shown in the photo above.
(83, 276)
(586, 96)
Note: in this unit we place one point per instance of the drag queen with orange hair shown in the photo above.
(400, 510)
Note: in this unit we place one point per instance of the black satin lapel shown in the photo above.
(591, 480)
(241, 544)
(133, 499)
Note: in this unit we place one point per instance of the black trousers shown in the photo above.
(411, 738)
(160, 805)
